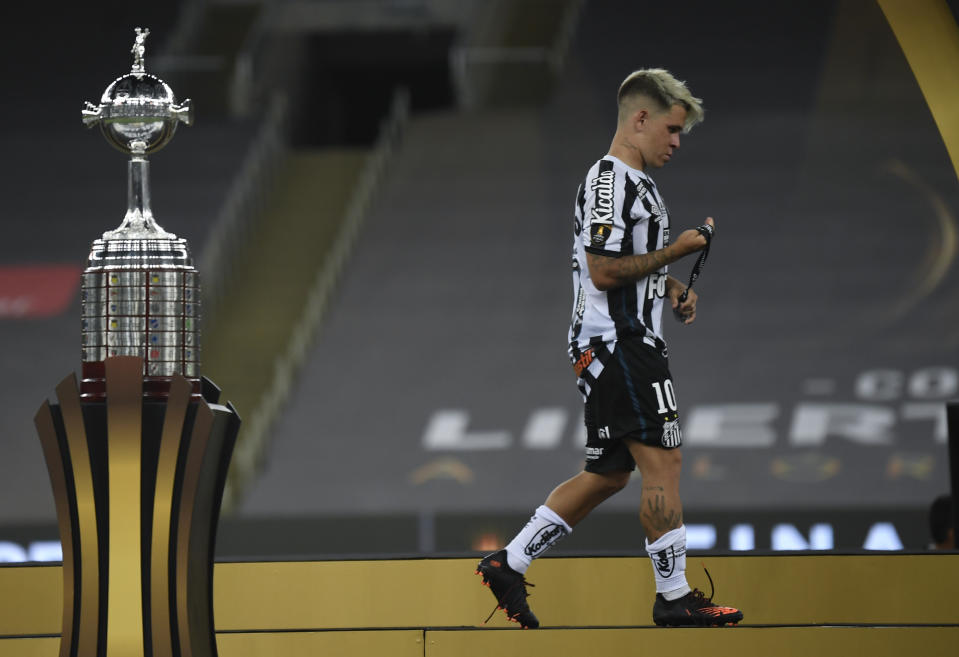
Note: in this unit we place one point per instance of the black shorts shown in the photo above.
(633, 397)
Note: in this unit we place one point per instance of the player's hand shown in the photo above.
(691, 241)
(684, 312)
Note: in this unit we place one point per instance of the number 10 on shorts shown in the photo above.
(665, 395)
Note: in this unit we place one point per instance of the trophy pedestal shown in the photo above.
(137, 484)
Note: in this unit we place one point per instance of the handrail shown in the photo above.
(566, 33)
(229, 230)
(256, 427)
(244, 78)
(184, 31)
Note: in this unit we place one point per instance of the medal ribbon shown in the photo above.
(706, 231)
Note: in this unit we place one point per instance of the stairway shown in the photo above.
(285, 250)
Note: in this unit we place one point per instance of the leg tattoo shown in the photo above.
(655, 513)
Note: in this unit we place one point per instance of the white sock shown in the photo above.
(539, 534)
(668, 554)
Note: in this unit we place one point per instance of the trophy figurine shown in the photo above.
(138, 453)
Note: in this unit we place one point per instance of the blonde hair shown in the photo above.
(665, 90)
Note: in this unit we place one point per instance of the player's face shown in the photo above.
(660, 136)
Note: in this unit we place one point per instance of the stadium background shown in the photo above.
(379, 196)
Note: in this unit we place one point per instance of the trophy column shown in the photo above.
(138, 449)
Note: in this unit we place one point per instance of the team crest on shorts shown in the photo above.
(672, 434)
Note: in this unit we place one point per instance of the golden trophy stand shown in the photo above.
(137, 485)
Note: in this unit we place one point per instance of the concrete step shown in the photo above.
(581, 642)
(881, 589)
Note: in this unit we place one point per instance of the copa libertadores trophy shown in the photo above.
(138, 452)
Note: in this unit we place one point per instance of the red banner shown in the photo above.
(35, 291)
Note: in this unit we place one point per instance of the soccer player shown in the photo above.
(621, 249)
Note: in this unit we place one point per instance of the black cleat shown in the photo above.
(509, 587)
(694, 608)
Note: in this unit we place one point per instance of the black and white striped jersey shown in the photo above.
(618, 212)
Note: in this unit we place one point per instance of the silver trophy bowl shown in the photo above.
(137, 112)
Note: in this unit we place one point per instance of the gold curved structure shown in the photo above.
(69, 396)
(929, 38)
(137, 485)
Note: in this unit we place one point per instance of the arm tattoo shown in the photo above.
(629, 268)
(656, 516)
